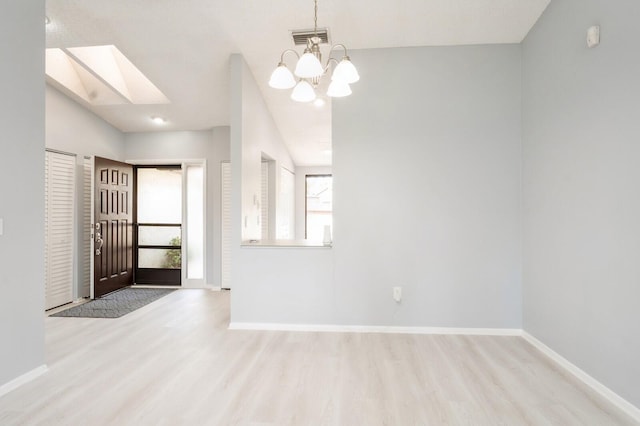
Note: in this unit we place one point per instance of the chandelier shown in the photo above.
(309, 70)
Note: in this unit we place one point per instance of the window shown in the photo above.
(318, 205)
(195, 221)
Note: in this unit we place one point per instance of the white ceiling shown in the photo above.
(183, 47)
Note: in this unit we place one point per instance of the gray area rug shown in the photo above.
(116, 304)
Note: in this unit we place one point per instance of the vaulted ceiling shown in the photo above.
(183, 47)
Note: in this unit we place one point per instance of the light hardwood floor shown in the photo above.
(174, 362)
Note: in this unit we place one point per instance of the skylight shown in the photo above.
(100, 75)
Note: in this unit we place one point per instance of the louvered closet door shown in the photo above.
(59, 233)
(226, 225)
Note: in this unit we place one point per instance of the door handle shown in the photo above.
(99, 243)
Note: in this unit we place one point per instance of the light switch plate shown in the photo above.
(1, 226)
(397, 294)
(593, 36)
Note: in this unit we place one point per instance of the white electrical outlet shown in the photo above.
(397, 294)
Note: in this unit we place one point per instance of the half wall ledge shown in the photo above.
(283, 243)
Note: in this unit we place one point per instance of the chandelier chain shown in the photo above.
(315, 18)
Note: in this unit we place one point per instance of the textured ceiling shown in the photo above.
(183, 47)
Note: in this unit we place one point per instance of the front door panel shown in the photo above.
(113, 226)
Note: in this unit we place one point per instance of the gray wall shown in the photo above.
(72, 128)
(212, 145)
(581, 174)
(22, 188)
(426, 167)
(426, 170)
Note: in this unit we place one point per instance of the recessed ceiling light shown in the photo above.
(158, 120)
(319, 102)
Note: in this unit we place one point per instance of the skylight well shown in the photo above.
(100, 75)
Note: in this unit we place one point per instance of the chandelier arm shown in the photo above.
(288, 51)
(339, 45)
(326, 67)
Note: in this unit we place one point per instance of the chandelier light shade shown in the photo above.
(338, 89)
(346, 71)
(308, 66)
(281, 78)
(303, 92)
(310, 70)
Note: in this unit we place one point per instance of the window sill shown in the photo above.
(284, 243)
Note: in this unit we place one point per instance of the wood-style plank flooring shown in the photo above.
(174, 362)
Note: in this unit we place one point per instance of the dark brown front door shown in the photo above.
(113, 249)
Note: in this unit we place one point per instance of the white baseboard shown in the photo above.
(630, 409)
(21, 380)
(373, 329)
